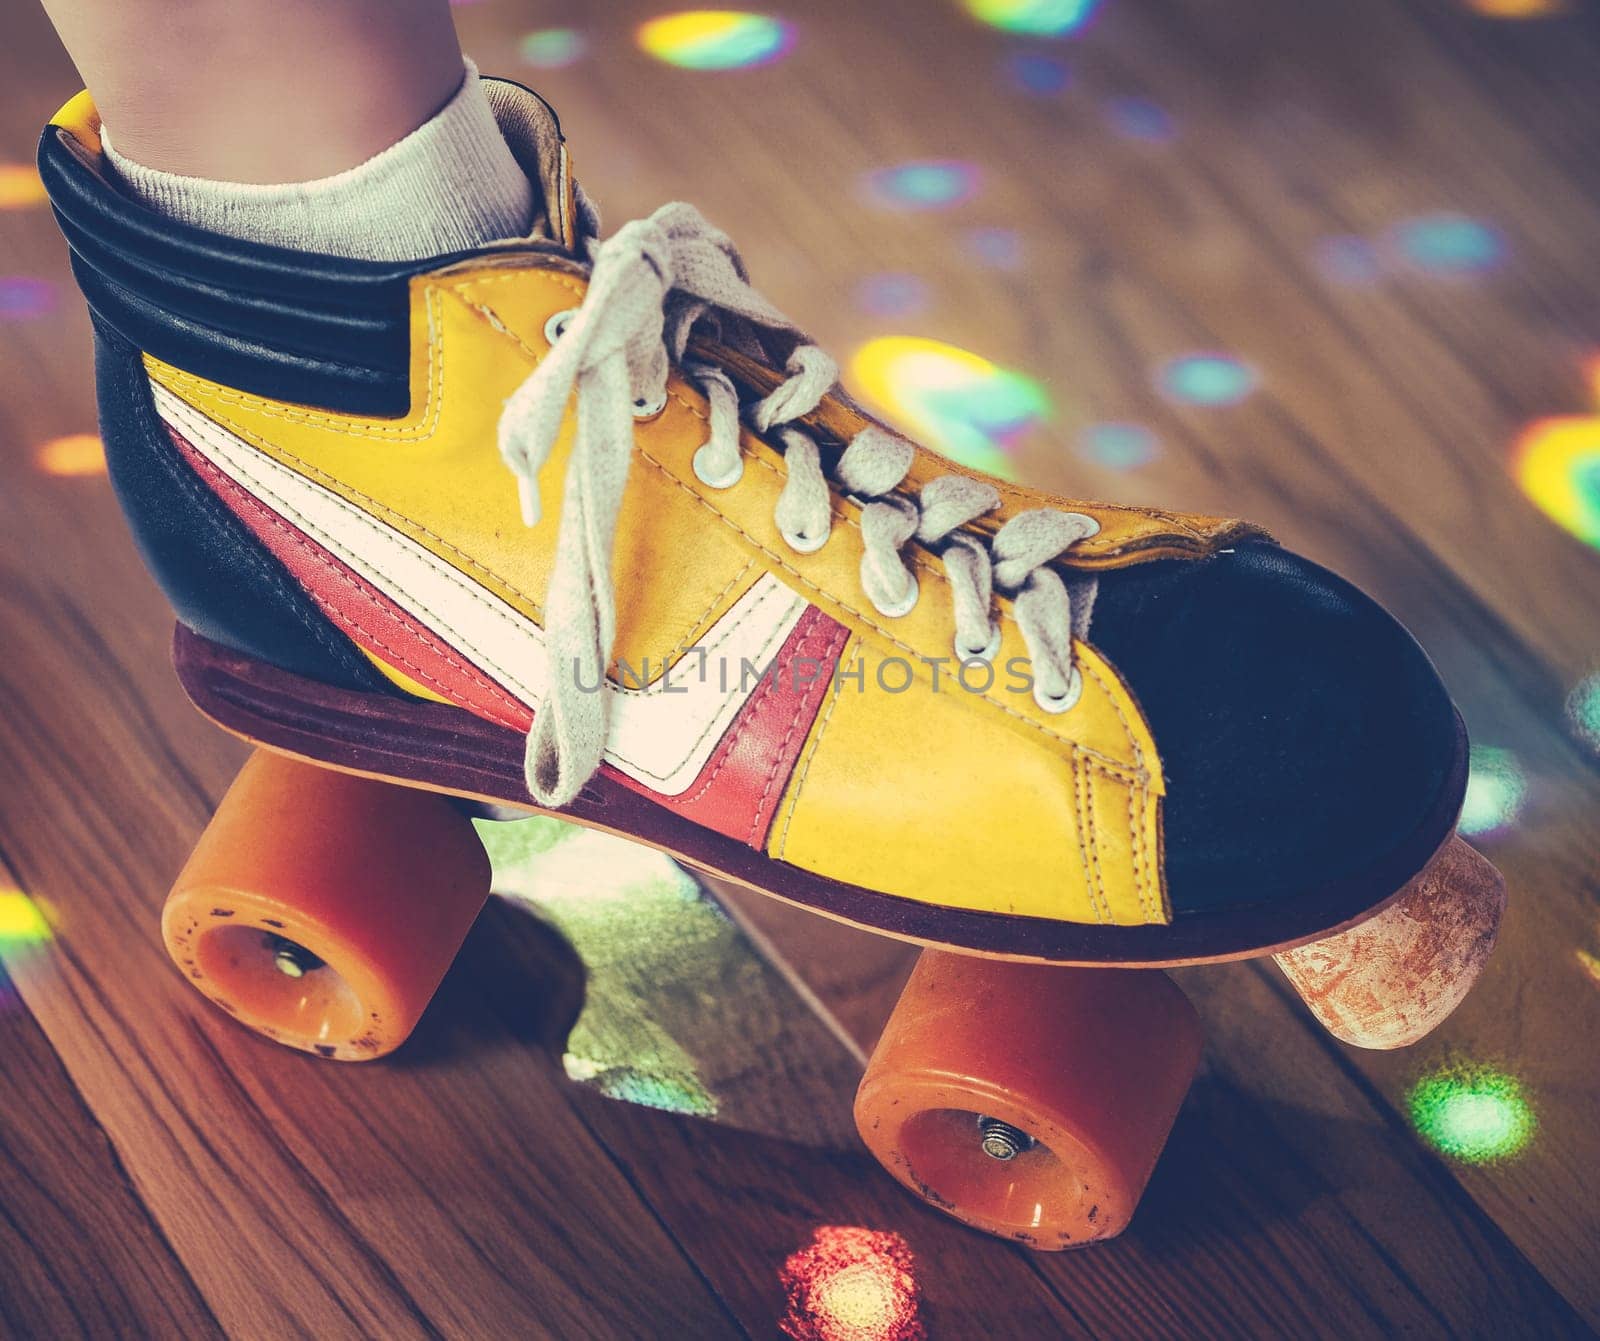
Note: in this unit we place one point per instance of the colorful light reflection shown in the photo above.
(956, 402)
(552, 48)
(1139, 119)
(852, 1284)
(1557, 464)
(995, 248)
(1118, 446)
(1037, 18)
(1496, 789)
(1517, 9)
(22, 922)
(20, 187)
(1471, 1113)
(22, 297)
(1449, 244)
(74, 456)
(893, 294)
(1583, 710)
(1206, 379)
(1348, 260)
(1035, 73)
(1590, 964)
(931, 184)
(716, 39)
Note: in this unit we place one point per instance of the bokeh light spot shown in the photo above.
(1557, 464)
(1471, 1113)
(995, 248)
(552, 48)
(1590, 964)
(1038, 18)
(1583, 710)
(1035, 73)
(20, 187)
(1517, 9)
(893, 294)
(1139, 119)
(929, 184)
(22, 923)
(74, 456)
(1348, 260)
(956, 402)
(1206, 379)
(23, 297)
(1496, 789)
(852, 1284)
(1118, 446)
(716, 39)
(1449, 244)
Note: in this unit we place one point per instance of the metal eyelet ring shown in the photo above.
(988, 652)
(649, 409)
(556, 327)
(1065, 701)
(905, 604)
(702, 472)
(804, 544)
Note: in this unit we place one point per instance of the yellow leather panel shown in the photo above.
(1045, 834)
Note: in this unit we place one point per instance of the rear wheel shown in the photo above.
(322, 909)
(1029, 1101)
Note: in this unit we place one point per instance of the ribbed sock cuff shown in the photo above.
(450, 185)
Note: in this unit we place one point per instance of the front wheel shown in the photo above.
(1029, 1101)
(322, 909)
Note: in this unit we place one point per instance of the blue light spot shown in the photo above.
(22, 297)
(552, 48)
(932, 184)
(1496, 789)
(893, 294)
(1038, 74)
(1206, 379)
(1139, 119)
(1348, 260)
(1118, 446)
(997, 248)
(1449, 244)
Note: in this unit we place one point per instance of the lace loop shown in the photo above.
(654, 285)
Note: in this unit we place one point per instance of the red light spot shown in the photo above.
(852, 1284)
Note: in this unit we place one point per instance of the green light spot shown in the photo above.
(1583, 710)
(1496, 789)
(1471, 1113)
(21, 921)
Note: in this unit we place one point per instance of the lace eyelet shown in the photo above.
(649, 409)
(802, 544)
(986, 653)
(1067, 700)
(556, 327)
(905, 604)
(727, 481)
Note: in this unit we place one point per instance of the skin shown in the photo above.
(270, 92)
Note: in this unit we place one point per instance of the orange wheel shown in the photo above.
(1028, 1100)
(322, 909)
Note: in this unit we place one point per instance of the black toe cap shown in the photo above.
(1304, 735)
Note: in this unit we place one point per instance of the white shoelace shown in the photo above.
(652, 284)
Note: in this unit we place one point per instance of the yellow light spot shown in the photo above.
(956, 402)
(1517, 9)
(1590, 964)
(21, 920)
(73, 456)
(20, 187)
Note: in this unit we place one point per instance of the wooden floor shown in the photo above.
(1388, 212)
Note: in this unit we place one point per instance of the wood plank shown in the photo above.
(79, 1253)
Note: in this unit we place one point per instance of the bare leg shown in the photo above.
(261, 90)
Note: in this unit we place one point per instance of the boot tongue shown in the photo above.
(534, 134)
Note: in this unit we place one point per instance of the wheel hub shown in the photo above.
(292, 959)
(1000, 1140)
